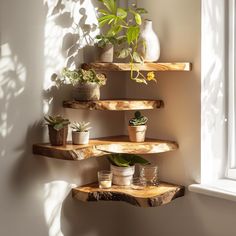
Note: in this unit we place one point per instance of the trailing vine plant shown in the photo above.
(124, 26)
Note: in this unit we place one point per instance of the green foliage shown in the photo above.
(79, 76)
(57, 122)
(124, 26)
(102, 40)
(125, 160)
(81, 126)
(138, 119)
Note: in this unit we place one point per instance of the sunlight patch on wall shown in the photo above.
(54, 194)
(213, 91)
(70, 26)
(12, 80)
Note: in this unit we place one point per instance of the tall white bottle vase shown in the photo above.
(150, 44)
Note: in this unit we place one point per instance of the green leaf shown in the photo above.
(105, 19)
(135, 159)
(141, 11)
(140, 80)
(114, 30)
(119, 160)
(132, 34)
(137, 58)
(58, 126)
(124, 53)
(138, 19)
(122, 13)
(104, 12)
(110, 5)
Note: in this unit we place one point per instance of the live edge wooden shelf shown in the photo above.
(115, 105)
(151, 196)
(103, 146)
(175, 66)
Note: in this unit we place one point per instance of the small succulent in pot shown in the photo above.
(137, 127)
(58, 129)
(80, 132)
(86, 83)
(123, 167)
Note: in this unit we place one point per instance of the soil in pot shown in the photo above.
(80, 137)
(122, 176)
(105, 54)
(58, 137)
(137, 133)
(86, 92)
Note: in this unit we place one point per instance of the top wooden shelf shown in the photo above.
(167, 66)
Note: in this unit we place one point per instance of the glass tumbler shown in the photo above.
(138, 183)
(149, 173)
(104, 179)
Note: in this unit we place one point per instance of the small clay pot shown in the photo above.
(89, 91)
(137, 133)
(105, 54)
(80, 137)
(58, 137)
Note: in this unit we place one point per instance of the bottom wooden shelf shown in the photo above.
(151, 196)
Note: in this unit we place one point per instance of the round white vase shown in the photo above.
(150, 49)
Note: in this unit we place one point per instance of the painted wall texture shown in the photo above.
(36, 40)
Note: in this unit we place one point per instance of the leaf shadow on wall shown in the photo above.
(77, 45)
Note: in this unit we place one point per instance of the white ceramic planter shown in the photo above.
(137, 133)
(122, 175)
(80, 137)
(151, 50)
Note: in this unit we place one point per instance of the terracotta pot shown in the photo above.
(122, 175)
(80, 137)
(86, 92)
(105, 54)
(57, 137)
(137, 133)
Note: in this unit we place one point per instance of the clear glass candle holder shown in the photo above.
(149, 173)
(104, 179)
(138, 183)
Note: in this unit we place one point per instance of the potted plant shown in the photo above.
(105, 48)
(125, 26)
(80, 132)
(123, 167)
(137, 127)
(86, 83)
(58, 129)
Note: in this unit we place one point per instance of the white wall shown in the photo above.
(35, 192)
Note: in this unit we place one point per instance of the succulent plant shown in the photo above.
(57, 122)
(138, 119)
(81, 126)
(125, 160)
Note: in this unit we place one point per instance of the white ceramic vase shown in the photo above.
(150, 50)
(80, 137)
(122, 175)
